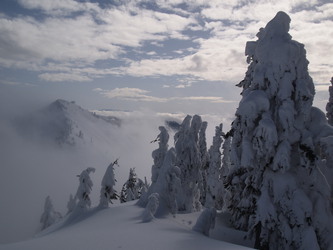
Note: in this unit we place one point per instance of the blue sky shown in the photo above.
(163, 56)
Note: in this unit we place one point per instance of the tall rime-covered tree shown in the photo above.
(71, 204)
(189, 161)
(159, 154)
(214, 197)
(49, 216)
(84, 189)
(274, 182)
(226, 164)
(204, 161)
(329, 105)
(108, 182)
(168, 185)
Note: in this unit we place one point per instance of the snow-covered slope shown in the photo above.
(120, 227)
(64, 122)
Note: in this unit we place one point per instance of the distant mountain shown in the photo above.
(64, 122)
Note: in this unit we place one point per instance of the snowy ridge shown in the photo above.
(66, 123)
(120, 227)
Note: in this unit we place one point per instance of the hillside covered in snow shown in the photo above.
(121, 227)
(66, 123)
(263, 183)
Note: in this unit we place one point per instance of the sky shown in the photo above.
(163, 55)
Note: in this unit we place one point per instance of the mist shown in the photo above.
(32, 168)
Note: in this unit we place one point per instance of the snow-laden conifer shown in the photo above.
(49, 215)
(226, 164)
(214, 193)
(329, 105)
(107, 190)
(203, 145)
(167, 186)
(84, 189)
(276, 188)
(206, 221)
(189, 162)
(204, 161)
(151, 208)
(71, 204)
(159, 154)
(158, 158)
(132, 188)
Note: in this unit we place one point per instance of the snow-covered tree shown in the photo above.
(49, 216)
(84, 188)
(329, 105)
(108, 182)
(71, 204)
(275, 186)
(226, 164)
(132, 188)
(189, 162)
(173, 185)
(204, 161)
(151, 208)
(206, 221)
(159, 154)
(168, 185)
(158, 158)
(214, 183)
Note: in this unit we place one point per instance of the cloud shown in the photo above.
(59, 7)
(130, 94)
(212, 99)
(5, 82)
(63, 77)
(183, 86)
(322, 87)
(73, 33)
(86, 37)
(135, 94)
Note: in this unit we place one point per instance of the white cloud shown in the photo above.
(85, 38)
(60, 42)
(136, 94)
(183, 86)
(63, 77)
(16, 83)
(216, 60)
(322, 87)
(212, 99)
(130, 94)
(98, 90)
(59, 7)
(48, 5)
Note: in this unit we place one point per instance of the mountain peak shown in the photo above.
(65, 122)
(62, 105)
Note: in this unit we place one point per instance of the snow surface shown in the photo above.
(120, 227)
